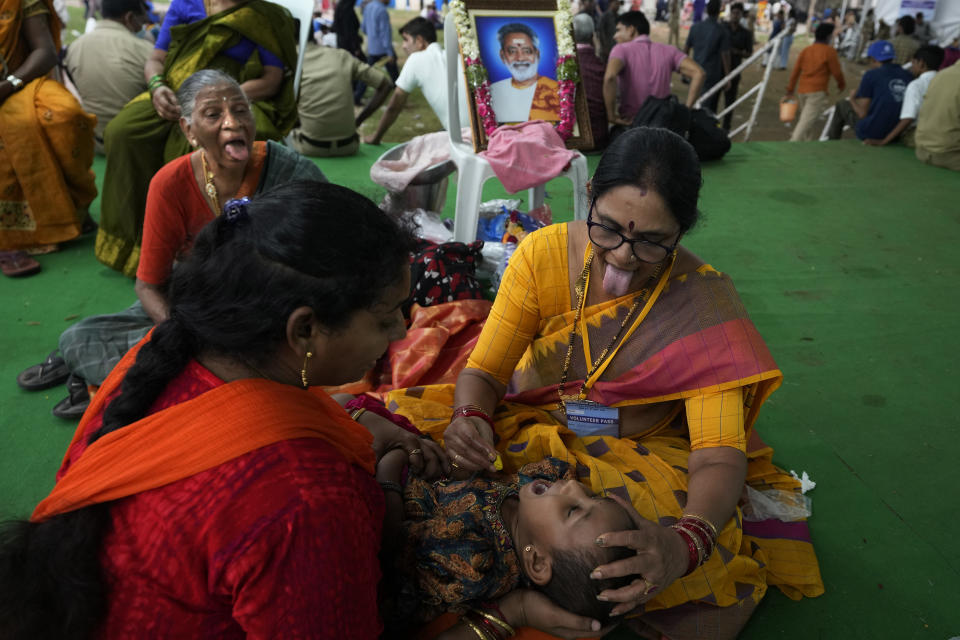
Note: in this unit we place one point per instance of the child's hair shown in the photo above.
(571, 586)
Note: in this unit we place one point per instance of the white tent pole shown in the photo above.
(763, 87)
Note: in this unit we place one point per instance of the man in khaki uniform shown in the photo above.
(327, 125)
(106, 65)
(938, 123)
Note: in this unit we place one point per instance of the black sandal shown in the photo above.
(49, 373)
(73, 406)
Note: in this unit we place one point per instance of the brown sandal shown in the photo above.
(17, 264)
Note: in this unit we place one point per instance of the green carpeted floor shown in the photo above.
(844, 256)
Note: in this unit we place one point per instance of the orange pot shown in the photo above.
(788, 109)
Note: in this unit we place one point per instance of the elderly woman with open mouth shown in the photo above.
(186, 194)
(252, 41)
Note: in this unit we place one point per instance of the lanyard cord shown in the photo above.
(600, 364)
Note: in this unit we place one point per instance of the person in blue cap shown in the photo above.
(873, 110)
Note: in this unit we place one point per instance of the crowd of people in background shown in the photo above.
(125, 71)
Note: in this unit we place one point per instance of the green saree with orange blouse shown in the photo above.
(138, 142)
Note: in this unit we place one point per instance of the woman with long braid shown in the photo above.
(211, 489)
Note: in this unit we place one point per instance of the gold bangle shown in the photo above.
(356, 413)
(712, 526)
(476, 629)
(494, 619)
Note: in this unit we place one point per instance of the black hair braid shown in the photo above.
(302, 244)
(159, 361)
(51, 583)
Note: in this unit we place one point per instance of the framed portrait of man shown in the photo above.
(519, 50)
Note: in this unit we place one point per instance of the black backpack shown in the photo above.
(698, 126)
(664, 113)
(706, 135)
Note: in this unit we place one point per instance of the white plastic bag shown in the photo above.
(493, 253)
(508, 249)
(495, 207)
(786, 506)
(429, 226)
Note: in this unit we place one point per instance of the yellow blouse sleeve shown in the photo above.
(514, 318)
(716, 420)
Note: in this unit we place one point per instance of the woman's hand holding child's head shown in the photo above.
(529, 608)
(557, 525)
(661, 557)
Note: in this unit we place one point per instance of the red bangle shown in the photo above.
(367, 403)
(697, 527)
(704, 537)
(691, 548)
(493, 607)
(472, 411)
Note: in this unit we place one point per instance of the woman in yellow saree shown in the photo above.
(46, 139)
(254, 42)
(613, 347)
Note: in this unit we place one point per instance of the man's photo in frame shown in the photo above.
(520, 55)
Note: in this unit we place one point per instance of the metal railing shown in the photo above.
(759, 89)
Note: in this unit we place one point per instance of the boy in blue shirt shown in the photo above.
(873, 110)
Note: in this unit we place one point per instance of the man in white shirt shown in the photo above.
(525, 95)
(106, 64)
(924, 67)
(426, 69)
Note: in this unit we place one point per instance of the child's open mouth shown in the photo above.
(539, 487)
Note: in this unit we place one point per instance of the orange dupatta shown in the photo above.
(193, 436)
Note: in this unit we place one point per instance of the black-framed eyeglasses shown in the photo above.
(609, 239)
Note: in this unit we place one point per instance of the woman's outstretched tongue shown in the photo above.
(616, 281)
(237, 150)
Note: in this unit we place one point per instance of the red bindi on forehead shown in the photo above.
(631, 225)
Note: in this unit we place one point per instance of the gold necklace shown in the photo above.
(211, 188)
(581, 290)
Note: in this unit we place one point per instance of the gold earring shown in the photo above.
(528, 548)
(303, 371)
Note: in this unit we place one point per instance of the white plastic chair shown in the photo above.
(473, 171)
(301, 10)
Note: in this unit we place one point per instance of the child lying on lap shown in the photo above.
(457, 545)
